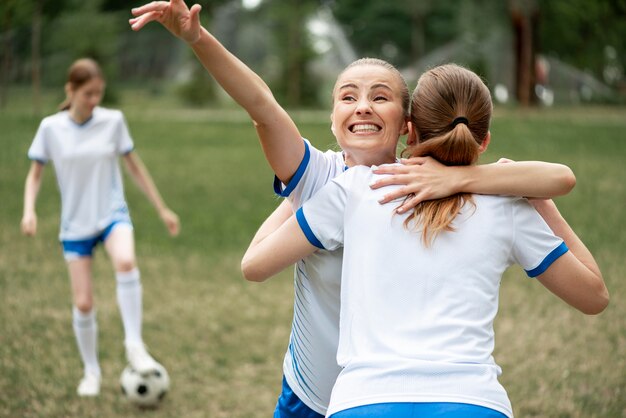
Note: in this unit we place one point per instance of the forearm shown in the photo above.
(524, 178)
(31, 190)
(237, 79)
(275, 252)
(279, 136)
(273, 222)
(550, 213)
(144, 181)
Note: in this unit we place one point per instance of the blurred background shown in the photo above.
(530, 52)
(556, 72)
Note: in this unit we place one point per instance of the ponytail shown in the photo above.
(450, 111)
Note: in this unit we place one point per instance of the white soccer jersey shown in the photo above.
(417, 323)
(85, 159)
(310, 365)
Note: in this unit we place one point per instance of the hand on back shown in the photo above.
(422, 178)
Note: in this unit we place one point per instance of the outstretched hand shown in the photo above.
(422, 178)
(174, 15)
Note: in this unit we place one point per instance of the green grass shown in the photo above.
(222, 339)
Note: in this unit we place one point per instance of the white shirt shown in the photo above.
(85, 159)
(416, 322)
(310, 364)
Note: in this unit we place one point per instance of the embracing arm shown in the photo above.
(575, 276)
(280, 138)
(31, 190)
(428, 179)
(273, 222)
(140, 174)
(275, 252)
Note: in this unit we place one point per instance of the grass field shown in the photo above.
(221, 338)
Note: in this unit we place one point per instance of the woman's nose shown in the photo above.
(363, 107)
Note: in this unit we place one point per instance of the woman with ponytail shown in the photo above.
(84, 141)
(419, 289)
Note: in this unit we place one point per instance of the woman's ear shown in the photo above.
(485, 144)
(405, 127)
(412, 138)
(332, 124)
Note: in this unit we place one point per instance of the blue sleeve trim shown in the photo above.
(547, 262)
(304, 225)
(39, 160)
(296, 177)
(129, 151)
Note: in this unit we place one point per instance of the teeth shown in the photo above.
(365, 128)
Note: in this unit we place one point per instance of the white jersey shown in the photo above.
(85, 159)
(416, 322)
(310, 365)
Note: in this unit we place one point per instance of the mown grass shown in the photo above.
(221, 338)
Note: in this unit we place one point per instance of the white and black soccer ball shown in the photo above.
(146, 390)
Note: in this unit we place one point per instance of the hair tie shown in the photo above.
(460, 119)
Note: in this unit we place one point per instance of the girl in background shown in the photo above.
(83, 141)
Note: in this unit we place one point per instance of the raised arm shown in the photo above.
(31, 190)
(575, 276)
(141, 176)
(428, 179)
(270, 254)
(280, 138)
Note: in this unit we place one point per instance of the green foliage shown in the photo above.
(578, 31)
(199, 89)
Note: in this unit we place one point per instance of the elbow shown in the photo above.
(567, 179)
(599, 302)
(250, 271)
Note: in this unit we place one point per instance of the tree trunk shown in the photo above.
(36, 57)
(294, 60)
(7, 49)
(524, 21)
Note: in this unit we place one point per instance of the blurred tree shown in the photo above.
(293, 49)
(18, 13)
(581, 32)
(525, 19)
(400, 32)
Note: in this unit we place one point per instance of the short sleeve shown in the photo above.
(125, 142)
(535, 246)
(38, 150)
(315, 170)
(321, 218)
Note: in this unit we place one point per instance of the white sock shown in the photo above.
(129, 301)
(86, 332)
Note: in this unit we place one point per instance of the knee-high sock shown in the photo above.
(129, 296)
(86, 332)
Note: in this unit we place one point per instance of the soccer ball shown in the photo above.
(145, 390)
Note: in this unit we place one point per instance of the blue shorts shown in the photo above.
(419, 410)
(84, 247)
(290, 406)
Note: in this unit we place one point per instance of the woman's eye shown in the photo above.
(380, 99)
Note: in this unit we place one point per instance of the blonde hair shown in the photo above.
(404, 92)
(450, 111)
(79, 73)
